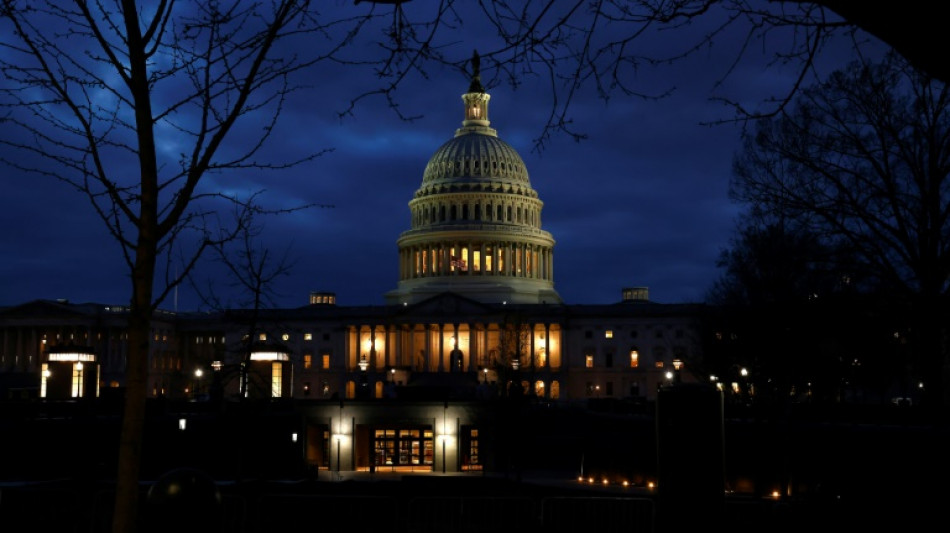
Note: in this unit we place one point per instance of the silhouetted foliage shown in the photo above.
(862, 163)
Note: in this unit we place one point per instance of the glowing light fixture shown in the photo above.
(73, 356)
(269, 356)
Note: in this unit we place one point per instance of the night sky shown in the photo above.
(643, 201)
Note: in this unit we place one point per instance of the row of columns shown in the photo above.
(400, 348)
(516, 259)
(507, 213)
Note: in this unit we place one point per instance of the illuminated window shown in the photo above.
(539, 389)
(262, 337)
(285, 337)
(589, 361)
(77, 380)
(634, 359)
(609, 334)
(555, 390)
(276, 383)
(44, 375)
(659, 364)
(470, 459)
(308, 336)
(307, 361)
(326, 361)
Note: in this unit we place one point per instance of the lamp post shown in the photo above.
(198, 374)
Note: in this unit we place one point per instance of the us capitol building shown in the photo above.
(475, 319)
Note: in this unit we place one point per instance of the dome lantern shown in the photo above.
(476, 104)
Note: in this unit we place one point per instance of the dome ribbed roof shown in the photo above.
(475, 156)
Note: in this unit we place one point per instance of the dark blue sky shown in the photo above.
(643, 201)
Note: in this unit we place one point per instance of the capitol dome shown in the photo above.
(476, 221)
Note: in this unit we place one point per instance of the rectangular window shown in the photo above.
(609, 390)
(262, 337)
(609, 334)
(659, 364)
(77, 380)
(326, 361)
(609, 360)
(285, 337)
(476, 260)
(589, 361)
(308, 336)
(307, 361)
(277, 375)
(634, 359)
(470, 458)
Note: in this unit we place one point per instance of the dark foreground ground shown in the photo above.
(453, 504)
(832, 470)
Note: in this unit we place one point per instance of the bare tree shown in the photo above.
(132, 105)
(252, 271)
(863, 162)
(608, 46)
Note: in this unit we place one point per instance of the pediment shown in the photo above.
(45, 308)
(448, 303)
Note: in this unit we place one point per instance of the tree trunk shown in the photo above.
(125, 515)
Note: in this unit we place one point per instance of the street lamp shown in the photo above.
(198, 374)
